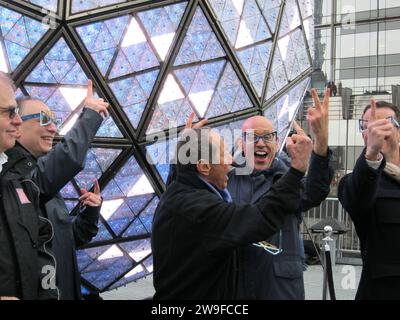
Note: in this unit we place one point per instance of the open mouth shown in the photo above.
(260, 154)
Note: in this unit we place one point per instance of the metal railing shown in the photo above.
(331, 207)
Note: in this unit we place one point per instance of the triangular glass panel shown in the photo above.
(108, 267)
(138, 250)
(138, 272)
(285, 109)
(278, 78)
(86, 5)
(270, 10)
(160, 154)
(60, 67)
(229, 95)
(306, 8)
(132, 94)
(290, 18)
(161, 25)
(197, 39)
(19, 34)
(97, 162)
(255, 63)
(51, 5)
(195, 87)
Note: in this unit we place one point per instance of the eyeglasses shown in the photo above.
(269, 247)
(45, 118)
(362, 124)
(252, 137)
(12, 111)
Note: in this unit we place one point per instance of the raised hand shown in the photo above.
(379, 130)
(92, 199)
(299, 148)
(318, 117)
(198, 125)
(96, 104)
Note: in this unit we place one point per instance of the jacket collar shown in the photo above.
(16, 156)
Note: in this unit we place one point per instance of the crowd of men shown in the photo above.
(217, 233)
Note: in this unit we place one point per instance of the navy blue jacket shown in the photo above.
(262, 275)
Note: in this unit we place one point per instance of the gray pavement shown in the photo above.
(346, 278)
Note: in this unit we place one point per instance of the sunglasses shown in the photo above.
(269, 247)
(362, 124)
(12, 111)
(45, 118)
(252, 138)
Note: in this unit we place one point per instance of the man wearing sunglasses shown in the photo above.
(273, 269)
(371, 195)
(52, 168)
(24, 232)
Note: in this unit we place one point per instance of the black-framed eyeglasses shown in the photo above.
(12, 111)
(45, 119)
(362, 124)
(252, 137)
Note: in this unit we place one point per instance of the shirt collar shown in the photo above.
(3, 160)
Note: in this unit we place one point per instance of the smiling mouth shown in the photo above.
(260, 154)
(48, 139)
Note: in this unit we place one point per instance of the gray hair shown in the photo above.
(194, 145)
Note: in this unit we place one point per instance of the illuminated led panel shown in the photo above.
(104, 268)
(19, 34)
(85, 5)
(202, 81)
(245, 24)
(128, 201)
(60, 82)
(160, 154)
(133, 47)
(285, 109)
(291, 57)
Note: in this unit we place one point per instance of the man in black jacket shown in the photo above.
(27, 269)
(51, 169)
(371, 195)
(197, 229)
(276, 273)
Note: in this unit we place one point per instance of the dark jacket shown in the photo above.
(262, 275)
(51, 172)
(195, 234)
(27, 266)
(373, 201)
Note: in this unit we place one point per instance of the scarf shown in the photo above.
(392, 171)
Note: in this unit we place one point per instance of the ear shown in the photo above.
(203, 168)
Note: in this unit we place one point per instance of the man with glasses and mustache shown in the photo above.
(273, 269)
(52, 168)
(371, 195)
(23, 231)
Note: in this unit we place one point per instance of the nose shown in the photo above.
(16, 121)
(260, 142)
(51, 128)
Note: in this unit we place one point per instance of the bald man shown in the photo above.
(51, 168)
(273, 269)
